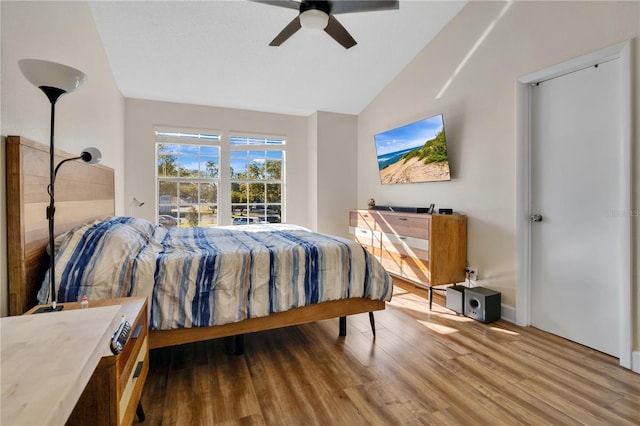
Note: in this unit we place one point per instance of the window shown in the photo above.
(257, 170)
(187, 179)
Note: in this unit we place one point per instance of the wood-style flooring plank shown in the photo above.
(233, 388)
(480, 372)
(422, 368)
(155, 387)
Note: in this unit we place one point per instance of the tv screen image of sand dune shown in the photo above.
(415, 152)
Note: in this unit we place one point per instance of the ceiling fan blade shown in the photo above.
(289, 4)
(287, 32)
(339, 33)
(351, 6)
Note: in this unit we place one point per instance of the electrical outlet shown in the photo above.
(472, 273)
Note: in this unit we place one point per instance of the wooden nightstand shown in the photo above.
(113, 393)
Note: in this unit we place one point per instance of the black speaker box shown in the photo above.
(482, 304)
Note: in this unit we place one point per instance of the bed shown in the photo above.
(85, 200)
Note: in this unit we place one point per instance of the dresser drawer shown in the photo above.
(416, 226)
(391, 262)
(416, 270)
(409, 246)
(366, 237)
(362, 219)
(407, 267)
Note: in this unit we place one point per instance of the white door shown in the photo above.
(575, 188)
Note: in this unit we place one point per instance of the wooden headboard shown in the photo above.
(83, 192)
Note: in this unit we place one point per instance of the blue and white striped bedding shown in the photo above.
(197, 277)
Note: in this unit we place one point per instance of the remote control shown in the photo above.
(120, 337)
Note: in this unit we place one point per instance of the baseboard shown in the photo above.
(635, 361)
(508, 313)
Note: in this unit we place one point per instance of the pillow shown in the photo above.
(98, 259)
(60, 239)
(143, 226)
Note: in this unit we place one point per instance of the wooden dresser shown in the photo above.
(426, 249)
(112, 395)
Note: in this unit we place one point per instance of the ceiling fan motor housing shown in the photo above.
(323, 6)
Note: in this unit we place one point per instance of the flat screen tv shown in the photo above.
(415, 152)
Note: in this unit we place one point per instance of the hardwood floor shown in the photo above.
(434, 368)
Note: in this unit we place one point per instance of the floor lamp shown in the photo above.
(55, 80)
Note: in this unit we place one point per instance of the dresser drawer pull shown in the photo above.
(402, 218)
(136, 373)
(402, 238)
(137, 331)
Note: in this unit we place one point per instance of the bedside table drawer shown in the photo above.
(135, 381)
(127, 360)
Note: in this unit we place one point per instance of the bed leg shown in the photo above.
(343, 326)
(140, 412)
(430, 297)
(235, 344)
(372, 321)
(239, 344)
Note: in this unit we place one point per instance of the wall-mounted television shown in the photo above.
(415, 152)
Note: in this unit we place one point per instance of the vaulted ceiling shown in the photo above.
(217, 53)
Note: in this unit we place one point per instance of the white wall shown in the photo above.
(469, 73)
(332, 171)
(312, 170)
(143, 116)
(336, 171)
(61, 32)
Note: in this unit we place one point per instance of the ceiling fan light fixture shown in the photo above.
(314, 19)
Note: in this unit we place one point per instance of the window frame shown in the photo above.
(193, 138)
(172, 135)
(274, 147)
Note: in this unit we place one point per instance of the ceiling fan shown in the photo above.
(318, 14)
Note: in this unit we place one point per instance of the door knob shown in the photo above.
(536, 218)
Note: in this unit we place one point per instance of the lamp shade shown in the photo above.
(314, 19)
(91, 155)
(51, 74)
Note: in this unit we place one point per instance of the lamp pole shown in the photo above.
(51, 210)
(52, 93)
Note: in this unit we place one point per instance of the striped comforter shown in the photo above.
(196, 277)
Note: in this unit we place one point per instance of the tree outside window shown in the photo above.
(188, 179)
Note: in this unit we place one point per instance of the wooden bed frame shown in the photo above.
(85, 192)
